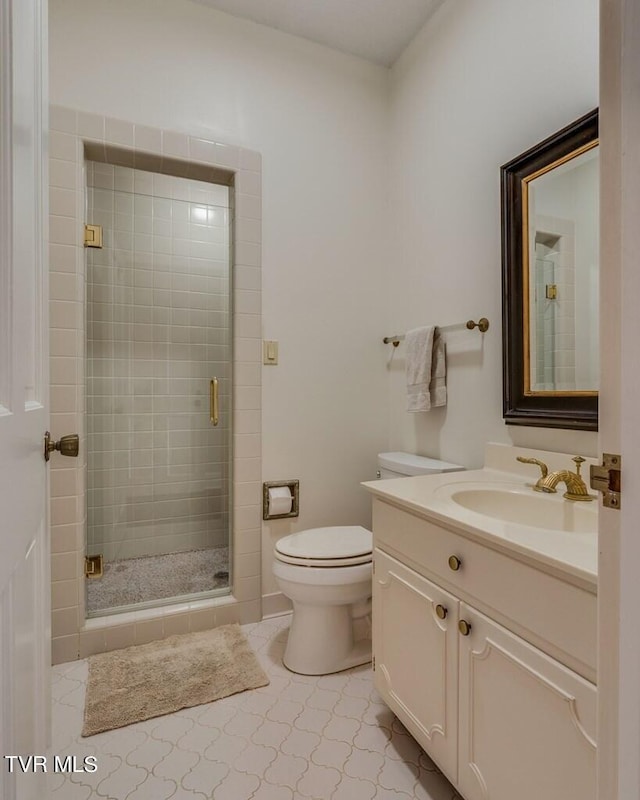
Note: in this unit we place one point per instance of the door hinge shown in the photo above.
(373, 663)
(607, 479)
(93, 235)
(93, 566)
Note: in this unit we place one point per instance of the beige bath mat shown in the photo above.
(149, 680)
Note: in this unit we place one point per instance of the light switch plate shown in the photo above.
(269, 352)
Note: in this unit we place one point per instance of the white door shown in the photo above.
(24, 546)
(619, 541)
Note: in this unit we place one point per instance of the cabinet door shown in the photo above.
(526, 723)
(416, 656)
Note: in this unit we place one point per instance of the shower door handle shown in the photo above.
(213, 401)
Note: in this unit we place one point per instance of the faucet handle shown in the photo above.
(544, 469)
(578, 461)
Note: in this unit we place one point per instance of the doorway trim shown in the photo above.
(74, 136)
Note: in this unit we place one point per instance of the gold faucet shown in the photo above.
(547, 482)
(543, 468)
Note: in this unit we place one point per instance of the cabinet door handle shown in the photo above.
(454, 563)
(464, 627)
(441, 611)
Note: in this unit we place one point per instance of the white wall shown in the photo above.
(320, 119)
(356, 159)
(481, 83)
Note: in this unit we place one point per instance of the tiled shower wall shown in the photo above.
(555, 349)
(158, 329)
(74, 137)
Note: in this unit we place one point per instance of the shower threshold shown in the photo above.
(147, 579)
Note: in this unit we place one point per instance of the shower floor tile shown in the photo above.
(299, 738)
(139, 580)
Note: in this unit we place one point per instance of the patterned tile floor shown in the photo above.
(299, 738)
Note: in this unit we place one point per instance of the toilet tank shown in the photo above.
(399, 465)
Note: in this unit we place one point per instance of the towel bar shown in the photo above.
(482, 325)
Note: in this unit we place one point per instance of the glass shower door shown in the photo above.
(545, 322)
(158, 359)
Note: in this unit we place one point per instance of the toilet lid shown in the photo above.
(335, 546)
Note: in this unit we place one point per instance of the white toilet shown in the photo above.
(326, 573)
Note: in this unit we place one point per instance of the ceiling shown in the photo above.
(377, 30)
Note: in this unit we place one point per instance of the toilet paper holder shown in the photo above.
(294, 488)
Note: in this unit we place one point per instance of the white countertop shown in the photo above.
(574, 554)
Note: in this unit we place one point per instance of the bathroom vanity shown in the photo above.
(484, 627)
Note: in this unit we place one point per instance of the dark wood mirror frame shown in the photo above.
(548, 411)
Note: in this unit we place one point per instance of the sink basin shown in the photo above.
(523, 506)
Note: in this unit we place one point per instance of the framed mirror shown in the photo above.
(550, 226)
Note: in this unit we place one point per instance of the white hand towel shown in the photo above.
(425, 369)
(438, 385)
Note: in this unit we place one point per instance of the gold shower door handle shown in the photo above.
(213, 401)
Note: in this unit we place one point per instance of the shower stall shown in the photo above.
(544, 324)
(158, 389)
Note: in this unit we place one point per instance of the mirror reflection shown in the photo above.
(560, 243)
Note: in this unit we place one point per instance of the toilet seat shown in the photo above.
(337, 546)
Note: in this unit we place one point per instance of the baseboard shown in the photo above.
(275, 604)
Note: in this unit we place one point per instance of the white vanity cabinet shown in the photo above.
(489, 661)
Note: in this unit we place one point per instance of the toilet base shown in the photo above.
(321, 641)
(361, 654)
